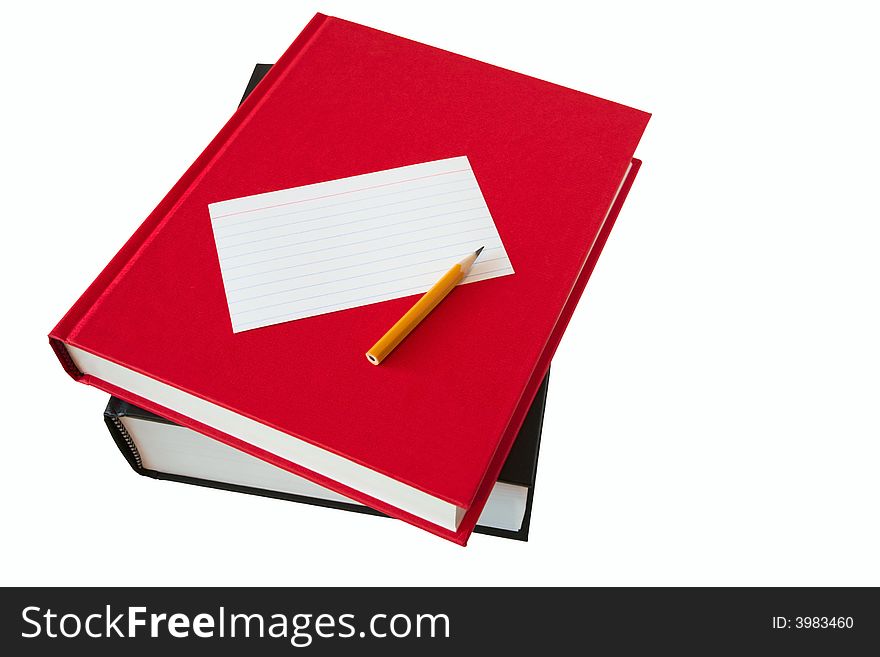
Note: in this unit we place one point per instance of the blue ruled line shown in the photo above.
(220, 238)
(346, 304)
(354, 232)
(333, 205)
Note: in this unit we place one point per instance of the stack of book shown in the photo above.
(231, 328)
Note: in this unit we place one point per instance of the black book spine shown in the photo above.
(112, 418)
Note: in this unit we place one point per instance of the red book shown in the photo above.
(423, 436)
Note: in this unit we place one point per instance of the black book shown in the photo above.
(158, 448)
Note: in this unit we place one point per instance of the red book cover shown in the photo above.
(423, 435)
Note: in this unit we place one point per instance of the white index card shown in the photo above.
(344, 243)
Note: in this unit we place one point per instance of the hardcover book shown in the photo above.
(424, 436)
(158, 448)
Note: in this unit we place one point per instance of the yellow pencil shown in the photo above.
(420, 310)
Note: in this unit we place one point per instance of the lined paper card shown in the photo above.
(344, 243)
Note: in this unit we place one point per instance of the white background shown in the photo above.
(714, 408)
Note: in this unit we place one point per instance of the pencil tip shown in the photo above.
(479, 251)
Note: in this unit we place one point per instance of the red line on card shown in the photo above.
(350, 191)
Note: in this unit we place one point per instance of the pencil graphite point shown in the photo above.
(479, 251)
